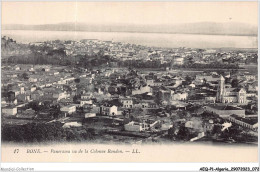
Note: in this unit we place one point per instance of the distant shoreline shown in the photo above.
(215, 34)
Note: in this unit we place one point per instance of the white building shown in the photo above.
(179, 96)
(135, 126)
(108, 110)
(68, 109)
(86, 96)
(127, 102)
(83, 102)
(142, 90)
(9, 110)
(90, 115)
(166, 126)
(32, 79)
(33, 89)
(71, 124)
(178, 60)
(210, 99)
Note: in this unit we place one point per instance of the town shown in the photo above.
(112, 92)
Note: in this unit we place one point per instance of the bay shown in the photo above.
(164, 40)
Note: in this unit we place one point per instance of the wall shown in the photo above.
(226, 113)
(129, 127)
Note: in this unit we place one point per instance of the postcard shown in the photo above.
(129, 82)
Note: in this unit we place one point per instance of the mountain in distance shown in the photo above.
(207, 28)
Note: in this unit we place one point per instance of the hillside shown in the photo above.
(9, 47)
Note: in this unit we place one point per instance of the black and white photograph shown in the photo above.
(129, 81)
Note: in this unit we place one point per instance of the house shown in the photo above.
(108, 109)
(208, 78)
(210, 99)
(149, 82)
(31, 69)
(142, 90)
(249, 77)
(90, 115)
(28, 113)
(54, 93)
(68, 109)
(166, 126)
(9, 110)
(179, 104)
(58, 94)
(177, 81)
(18, 68)
(32, 79)
(251, 124)
(208, 126)
(86, 96)
(225, 111)
(85, 101)
(150, 79)
(44, 114)
(147, 104)
(127, 102)
(36, 95)
(33, 88)
(91, 111)
(251, 94)
(178, 60)
(46, 69)
(3, 101)
(165, 94)
(179, 96)
(15, 91)
(253, 86)
(136, 126)
(157, 83)
(191, 86)
(194, 124)
(23, 97)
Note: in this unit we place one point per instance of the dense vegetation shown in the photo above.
(215, 65)
(143, 64)
(42, 132)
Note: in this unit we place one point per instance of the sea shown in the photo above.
(165, 40)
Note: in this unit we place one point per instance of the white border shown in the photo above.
(125, 166)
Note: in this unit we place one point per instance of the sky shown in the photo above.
(128, 12)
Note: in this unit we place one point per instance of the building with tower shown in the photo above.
(227, 94)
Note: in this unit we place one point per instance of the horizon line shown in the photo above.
(115, 23)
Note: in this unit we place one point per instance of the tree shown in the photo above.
(234, 83)
(77, 80)
(11, 96)
(25, 76)
(183, 133)
(188, 80)
(34, 105)
(173, 131)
